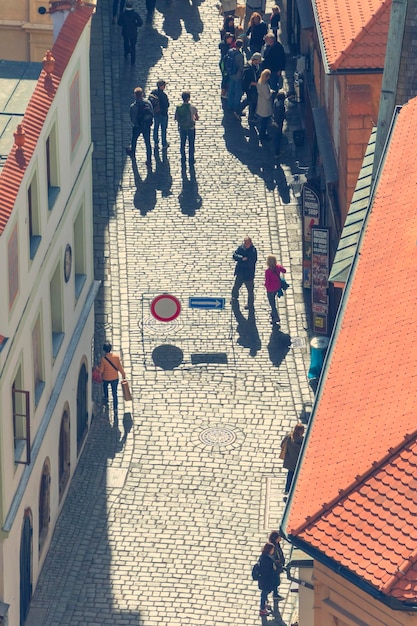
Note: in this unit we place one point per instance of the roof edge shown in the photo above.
(361, 34)
(360, 479)
(390, 601)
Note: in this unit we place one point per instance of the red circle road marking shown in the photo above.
(165, 308)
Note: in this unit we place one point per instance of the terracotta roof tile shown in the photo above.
(38, 107)
(361, 436)
(354, 34)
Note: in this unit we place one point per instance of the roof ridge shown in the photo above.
(367, 28)
(361, 478)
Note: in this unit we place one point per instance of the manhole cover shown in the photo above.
(151, 325)
(217, 436)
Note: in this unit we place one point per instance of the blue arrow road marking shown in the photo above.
(206, 303)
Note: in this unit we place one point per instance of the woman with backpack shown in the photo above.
(273, 285)
(267, 577)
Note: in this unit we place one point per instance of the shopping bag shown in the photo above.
(126, 391)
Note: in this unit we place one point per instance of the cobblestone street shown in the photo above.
(169, 508)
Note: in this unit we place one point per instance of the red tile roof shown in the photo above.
(367, 402)
(354, 33)
(38, 107)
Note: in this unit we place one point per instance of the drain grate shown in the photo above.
(217, 437)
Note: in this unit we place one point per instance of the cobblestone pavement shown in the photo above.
(167, 511)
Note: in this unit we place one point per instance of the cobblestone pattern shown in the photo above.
(162, 524)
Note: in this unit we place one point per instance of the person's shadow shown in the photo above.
(145, 195)
(162, 176)
(181, 10)
(278, 346)
(246, 329)
(189, 198)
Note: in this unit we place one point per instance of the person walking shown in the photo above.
(109, 368)
(236, 64)
(274, 59)
(186, 115)
(279, 560)
(130, 21)
(279, 115)
(246, 257)
(141, 116)
(264, 103)
(275, 20)
(273, 285)
(267, 577)
(250, 78)
(290, 451)
(160, 105)
(256, 32)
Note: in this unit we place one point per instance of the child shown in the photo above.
(275, 20)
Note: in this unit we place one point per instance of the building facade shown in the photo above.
(25, 32)
(47, 308)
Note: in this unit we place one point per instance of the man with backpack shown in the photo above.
(130, 21)
(186, 115)
(160, 105)
(234, 64)
(141, 116)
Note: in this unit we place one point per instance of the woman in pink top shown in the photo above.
(273, 285)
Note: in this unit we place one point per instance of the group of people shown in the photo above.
(145, 112)
(251, 66)
(270, 567)
(246, 257)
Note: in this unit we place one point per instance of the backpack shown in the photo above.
(230, 64)
(256, 571)
(154, 100)
(144, 113)
(184, 117)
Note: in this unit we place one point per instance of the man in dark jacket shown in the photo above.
(251, 74)
(130, 21)
(245, 257)
(274, 59)
(141, 116)
(160, 109)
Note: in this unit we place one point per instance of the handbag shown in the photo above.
(283, 449)
(96, 375)
(127, 396)
(284, 284)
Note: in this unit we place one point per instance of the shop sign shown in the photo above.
(311, 218)
(320, 279)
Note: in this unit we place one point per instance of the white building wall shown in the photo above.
(20, 484)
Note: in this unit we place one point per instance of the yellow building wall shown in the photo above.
(339, 602)
(25, 35)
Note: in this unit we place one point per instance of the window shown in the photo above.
(57, 313)
(52, 167)
(75, 117)
(33, 218)
(21, 420)
(79, 252)
(44, 504)
(38, 371)
(64, 453)
(13, 266)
